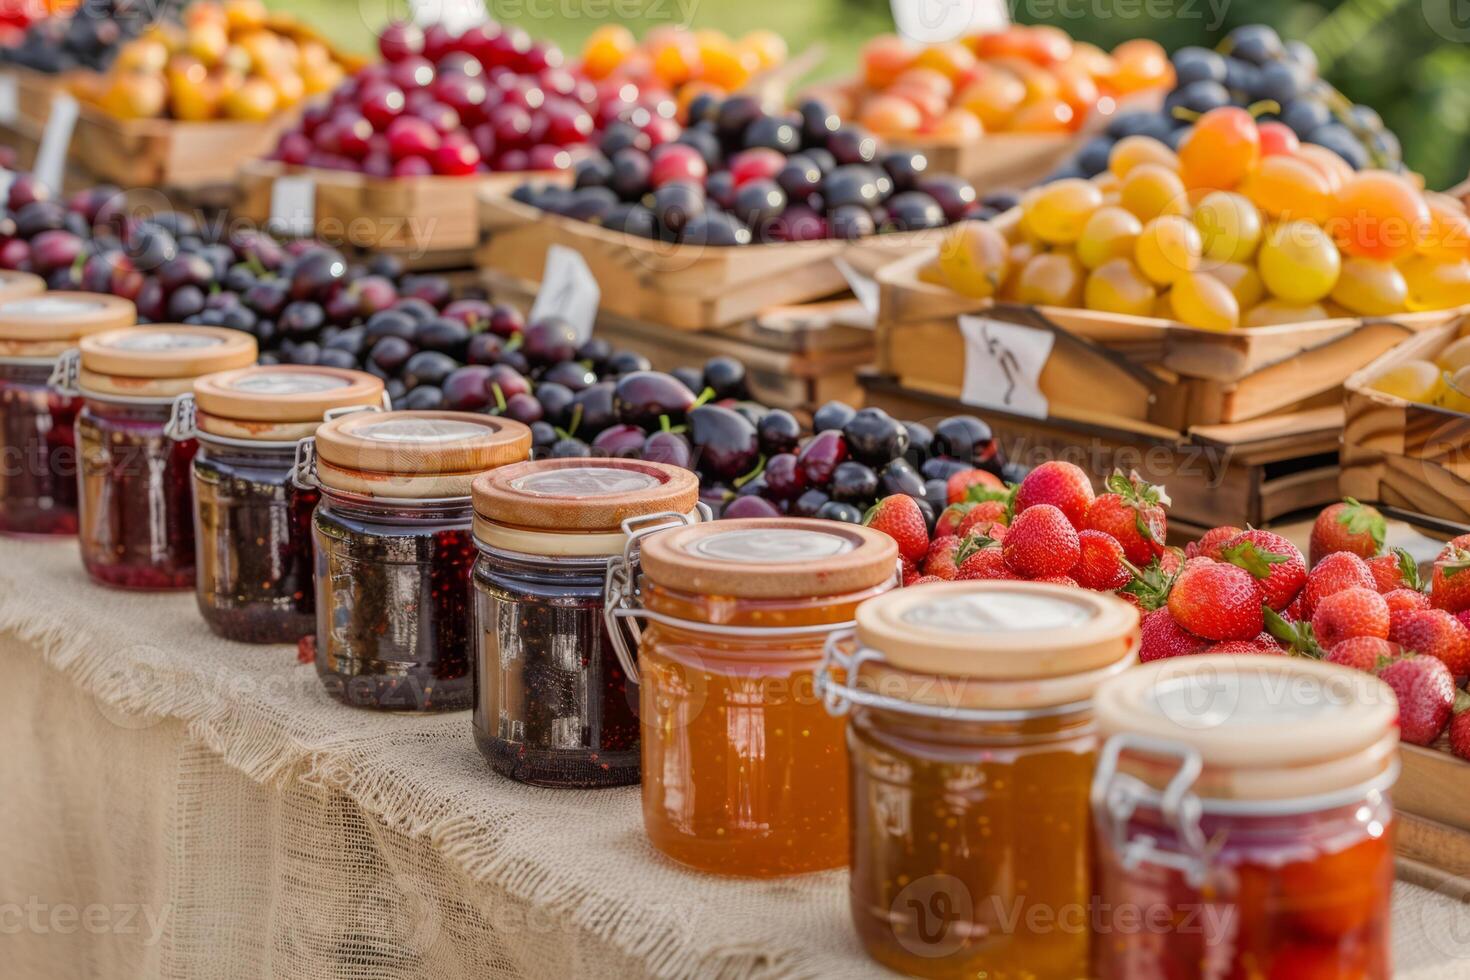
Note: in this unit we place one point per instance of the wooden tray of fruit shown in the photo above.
(34, 91)
(687, 287)
(1406, 442)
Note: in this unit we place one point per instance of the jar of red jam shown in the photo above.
(252, 519)
(743, 769)
(395, 551)
(1243, 820)
(136, 498)
(552, 704)
(38, 469)
(972, 745)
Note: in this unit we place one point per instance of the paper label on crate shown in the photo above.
(864, 287)
(938, 21)
(50, 165)
(293, 206)
(9, 98)
(457, 16)
(7, 177)
(568, 290)
(1003, 364)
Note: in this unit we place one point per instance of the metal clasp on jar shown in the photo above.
(1117, 795)
(183, 415)
(620, 592)
(67, 373)
(303, 469)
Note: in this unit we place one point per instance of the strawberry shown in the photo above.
(950, 520)
(1063, 485)
(1103, 565)
(1395, 570)
(1349, 613)
(1041, 542)
(1216, 600)
(1404, 600)
(1426, 694)
(910, 571)
(1264, 643)
(1434, 633)
(924, 580)
(1464, 617)
(1149, 587)
(987, 512)
(1450, 589)
(1209, 544)
(957, 487)
(987, 563)
(1362, 652)
(941, 559)
(1066, 580)
(1161, 637)
(1460, 726)
(1278, 567)
(1133, 512)
(1349, 526)
(1342, 570)
(899, 517)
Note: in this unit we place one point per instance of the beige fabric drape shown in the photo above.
(172, 805)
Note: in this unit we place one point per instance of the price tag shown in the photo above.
(1003, 364)
(293, 206)
(938, 21)
(457, 16)
(50, 165)
(568, 290)
(7, 178)
(9, 98)
(865, 288)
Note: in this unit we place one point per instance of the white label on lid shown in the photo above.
(286, 383)
(9, 98)
(421, 430)
(583, 481)
(568, 290)
(49, 306)
(50, 165)
(998, 611)
(780, 544)
(1003, 365)
(1205, 699)
(293, 205)
(156, 340)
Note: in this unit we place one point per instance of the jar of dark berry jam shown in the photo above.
(252, 520)
(744, 772)
(38, 455)
(395, 551)
(1243, 820)
(552, 705)
(971, 744)
(136, 501)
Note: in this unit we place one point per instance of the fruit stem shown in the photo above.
(760, 467)
(704, 396)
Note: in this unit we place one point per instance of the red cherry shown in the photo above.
(383, 104)
(399, 40)
(293, 148)
(677, 161)
(410, 137)
(437, 41)
(378, 164)
(1277, 139)
(567, 122)
(463, 94)
(661, 130)
(412, 167)
(440, 116)
(411, 73)
(353, 135)
(544, 156)
(512, 161)
(456, 158)
(760, 163)
(511, 124)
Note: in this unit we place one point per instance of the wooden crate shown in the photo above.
(1254, 472)
(687, 287)
(168, 154)
(1433, 801)
(1413, 457)
(1136, 369)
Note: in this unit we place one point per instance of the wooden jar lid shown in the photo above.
(583, 495)
(416, 454)
(999, 630)
(59, 317)
(769, 558)
(166, 351)
(18, 285)
(283, 393)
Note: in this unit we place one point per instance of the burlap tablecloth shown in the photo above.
(172, 805)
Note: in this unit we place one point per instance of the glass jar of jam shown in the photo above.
(136, 502)
(252, 520)
(972, 746)
(395, 551)
(552, 704)
(38, 455)
(1243, 820)
(743, 770)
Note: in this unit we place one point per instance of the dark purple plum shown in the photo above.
(750, 506)
(572, 374)
(969, 440)
(725, 443)
(899, 476)
(821, 455)
(809, 503)
(428, 367)
(503, 383)
(726, 376)
(836, 510)
(524, 407)
(569, 448)
(874, 437)
(550, 340)
(785, 479)
(425, 398)
(779, 432)
(619, 440)
(444, 334)
(390, 354)
(651, 400)
(592, 410)
(854, 483)
(668, 447)
(832, 415)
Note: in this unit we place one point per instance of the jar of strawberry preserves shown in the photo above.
(252, 520)
(395, 551)
(38, 469)
(136, 498)
(1243, 819)
(743, 770)
(552, 704)
(972, 745)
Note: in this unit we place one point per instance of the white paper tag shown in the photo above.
(1003, 364)
(7, 178)
(568, 290)
(9, 98)
(457, 16)
(939, 21)
(865, 288)
(50, 167)
(293, 206)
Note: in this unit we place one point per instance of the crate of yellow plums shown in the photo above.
(1244, 277)
(184, 103)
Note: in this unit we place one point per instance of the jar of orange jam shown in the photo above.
(743, 771)
(1243, 818)
(972, 746)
